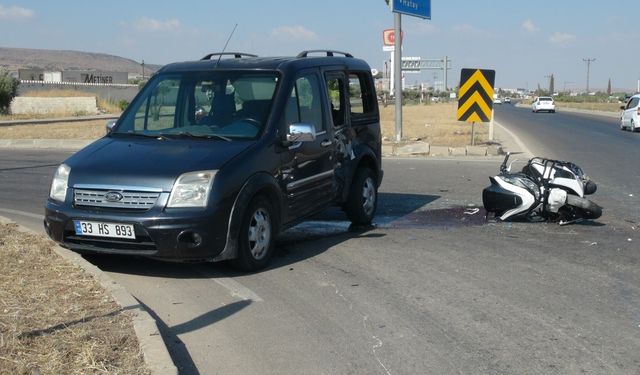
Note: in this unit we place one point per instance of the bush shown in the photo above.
(8, 90)
(123, 104)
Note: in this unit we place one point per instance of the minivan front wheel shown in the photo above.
(363, 197)
(255, 242)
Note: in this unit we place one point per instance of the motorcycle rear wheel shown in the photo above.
(584, 208)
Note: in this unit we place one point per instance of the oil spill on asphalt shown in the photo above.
(333, 224)
(447, 217)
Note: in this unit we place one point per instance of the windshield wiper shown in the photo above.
(161, 137)
(203, 136)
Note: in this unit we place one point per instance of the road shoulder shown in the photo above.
(156, 355)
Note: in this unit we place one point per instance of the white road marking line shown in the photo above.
(237, 290)
(515, 138)
(21, 213)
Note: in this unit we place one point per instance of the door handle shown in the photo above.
(326, 143)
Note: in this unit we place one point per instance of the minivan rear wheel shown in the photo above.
(363, 197)
(256, 239)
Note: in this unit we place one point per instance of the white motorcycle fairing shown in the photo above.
(528, 199)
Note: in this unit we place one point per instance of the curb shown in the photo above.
(422, 149)
(64, 144)
(155, 352)
(61, 119)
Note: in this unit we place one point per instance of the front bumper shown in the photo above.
(170, 234)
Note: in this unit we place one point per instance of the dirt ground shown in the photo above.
(435, 124)
(54, 318)
(65, 130)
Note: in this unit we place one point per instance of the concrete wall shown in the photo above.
(72, 106)
(109, 92)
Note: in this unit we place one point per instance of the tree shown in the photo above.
(609, 87)
(8, 90)
(552, 82)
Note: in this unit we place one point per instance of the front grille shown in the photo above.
(136, 200)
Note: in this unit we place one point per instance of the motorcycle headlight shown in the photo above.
(59, 184)
(191, 189)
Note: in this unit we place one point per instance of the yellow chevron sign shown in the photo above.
(475, 97)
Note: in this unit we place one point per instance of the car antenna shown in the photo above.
(225, 45)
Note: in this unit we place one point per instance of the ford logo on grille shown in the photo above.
(113, 196)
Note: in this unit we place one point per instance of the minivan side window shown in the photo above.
(633, 103)
(305, 104)
(335, 92)
(361, 97)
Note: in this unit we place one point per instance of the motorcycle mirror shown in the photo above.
(510, 164)
(503, 166)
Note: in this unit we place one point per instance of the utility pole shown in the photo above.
(588, 61)
(446, 67)
(550, 93)
(397, 79)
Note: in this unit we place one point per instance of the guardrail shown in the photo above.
(77, 83)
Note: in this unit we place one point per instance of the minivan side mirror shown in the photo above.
(622, 107)
(110, 125)
(300, 132)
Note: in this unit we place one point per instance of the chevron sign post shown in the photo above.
(475, 103)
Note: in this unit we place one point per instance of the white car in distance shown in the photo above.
(543, 103)
(630, 118)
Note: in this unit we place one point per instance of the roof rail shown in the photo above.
(237, 55)
(327, 51)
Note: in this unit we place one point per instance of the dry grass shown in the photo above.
(433, 123)
(607, 107)
(54, 318)
(65, 130)
(591, 106)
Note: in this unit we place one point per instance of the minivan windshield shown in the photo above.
(225, 105)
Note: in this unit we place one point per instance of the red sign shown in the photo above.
(389, 37)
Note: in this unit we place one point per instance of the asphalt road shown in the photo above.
(596, 143)
(432, 288)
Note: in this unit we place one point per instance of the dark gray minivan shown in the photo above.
(214, 157)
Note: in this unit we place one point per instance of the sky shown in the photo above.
(525, 42)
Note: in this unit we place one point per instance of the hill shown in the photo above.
(23, 58)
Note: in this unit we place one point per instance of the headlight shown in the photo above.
(59, 184)
(192, 189)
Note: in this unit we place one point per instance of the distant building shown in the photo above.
(74, 76)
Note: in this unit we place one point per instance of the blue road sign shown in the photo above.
(417, 8)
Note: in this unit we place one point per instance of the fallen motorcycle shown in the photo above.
(545, 190)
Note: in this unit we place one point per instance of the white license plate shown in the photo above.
(98, 229)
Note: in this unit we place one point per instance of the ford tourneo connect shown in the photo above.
(214, 157)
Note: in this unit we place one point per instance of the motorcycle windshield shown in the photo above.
(523, 181)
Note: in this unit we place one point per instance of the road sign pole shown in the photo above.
(445, 69)
(491, 126)
(473, 133)
(397, 63)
